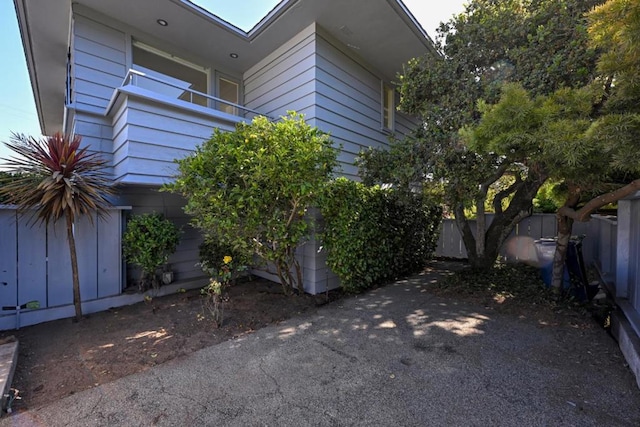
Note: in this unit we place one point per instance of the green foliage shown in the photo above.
(372, 234)
(614, 28)
(213, 254)
(561, 136)
(213, 294)
(540, 44)
(148, 242)
(54, 178)
(6, 178)
(250, 189)
(549, 198)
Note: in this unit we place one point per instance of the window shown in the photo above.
(229, 91)
(169, 75)
(388, 107)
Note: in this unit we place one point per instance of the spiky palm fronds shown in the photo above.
(55, 178)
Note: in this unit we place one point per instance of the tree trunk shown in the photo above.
(481, 227)
(74, 268)
(520, 207)
(565, 225)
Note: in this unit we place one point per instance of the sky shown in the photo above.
(17, 107)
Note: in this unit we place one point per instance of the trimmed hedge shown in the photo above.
(373, 234)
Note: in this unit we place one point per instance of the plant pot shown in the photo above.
(167, 277)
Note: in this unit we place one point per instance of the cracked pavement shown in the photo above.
(394, 356)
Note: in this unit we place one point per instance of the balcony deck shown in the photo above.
(156, 121)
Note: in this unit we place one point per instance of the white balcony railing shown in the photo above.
(177, 89)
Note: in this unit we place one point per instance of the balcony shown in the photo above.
(157, 119)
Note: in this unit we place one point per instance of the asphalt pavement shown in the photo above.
(396, 356)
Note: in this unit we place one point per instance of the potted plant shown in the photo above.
(148, 242)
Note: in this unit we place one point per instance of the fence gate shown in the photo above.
(35, 264)
(8, 257)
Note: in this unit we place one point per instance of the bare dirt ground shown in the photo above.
(60, 358)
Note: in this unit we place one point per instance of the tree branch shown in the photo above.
(501, 195)
(584, 213)
(484, 187)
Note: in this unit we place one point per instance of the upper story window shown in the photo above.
(169, 75)
(388, 107)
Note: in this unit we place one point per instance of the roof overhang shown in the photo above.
(44, 29)
(382, 33)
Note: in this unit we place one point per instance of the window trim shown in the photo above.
(387, 93)
(221, 76)
(166, 55)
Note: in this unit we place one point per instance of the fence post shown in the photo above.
(623, 249)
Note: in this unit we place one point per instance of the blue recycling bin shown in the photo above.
(546, 249)
(575, 280)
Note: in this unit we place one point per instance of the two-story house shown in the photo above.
(144, 82)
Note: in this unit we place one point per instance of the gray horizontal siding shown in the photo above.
(149, 136)
(348, 103)
(285, 79)
(96, 133)
(150, 200)
(99, 63)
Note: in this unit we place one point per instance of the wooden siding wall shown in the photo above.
(98, 63)
(348, 103)
(150, 200)
(313, 74)
(284, 80)
(149, 136)
(35, 262)
(96, 132)
(98, 67)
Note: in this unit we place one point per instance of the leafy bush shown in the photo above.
(549, 197)
(214, 254)
(251, 188)
(148, 242)
(372, 234)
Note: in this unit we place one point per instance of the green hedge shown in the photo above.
(372, 234)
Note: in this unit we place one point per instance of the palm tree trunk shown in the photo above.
(74, 268)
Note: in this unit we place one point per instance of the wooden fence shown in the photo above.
(35, 262)
(599, 244)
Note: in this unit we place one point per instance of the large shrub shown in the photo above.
(372, 234)
(249, 190)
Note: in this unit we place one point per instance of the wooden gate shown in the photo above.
(35, 262)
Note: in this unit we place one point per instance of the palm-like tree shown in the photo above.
(56, 178)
